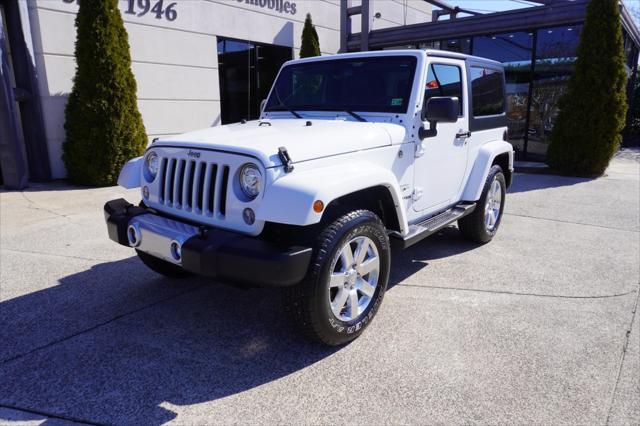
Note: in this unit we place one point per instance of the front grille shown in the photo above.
(198, 187)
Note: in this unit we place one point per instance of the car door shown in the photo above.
(441, 160)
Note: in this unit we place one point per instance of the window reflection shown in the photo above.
(487, 91)
(460, 45)
(444, 80)
(514, 50)
(555, 57)
(630, 52)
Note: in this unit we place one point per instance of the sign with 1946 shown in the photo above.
(142, 7)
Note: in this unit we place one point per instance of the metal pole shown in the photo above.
(364, 32)
(344, 26)
(532, 73)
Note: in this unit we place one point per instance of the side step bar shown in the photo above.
(421, 230)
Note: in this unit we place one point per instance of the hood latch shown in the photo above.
(286, 159)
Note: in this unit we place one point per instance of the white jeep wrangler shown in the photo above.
(352, 154)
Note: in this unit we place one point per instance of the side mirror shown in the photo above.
(263, 103)
(439, 109)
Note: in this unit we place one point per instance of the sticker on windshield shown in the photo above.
(396, 101)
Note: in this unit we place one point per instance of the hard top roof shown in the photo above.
(396, 52)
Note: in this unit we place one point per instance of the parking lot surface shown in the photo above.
(540, 326)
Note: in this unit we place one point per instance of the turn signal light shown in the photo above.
(318, 206)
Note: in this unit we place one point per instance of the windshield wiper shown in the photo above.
(356, 116)
(285, 108)
(293, 112)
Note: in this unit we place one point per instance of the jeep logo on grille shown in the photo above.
(193, 154)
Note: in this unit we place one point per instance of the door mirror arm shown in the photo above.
(438, 109)
(431, 132)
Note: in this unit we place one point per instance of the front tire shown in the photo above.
(162, 266)
(482, 225)
(346, 281)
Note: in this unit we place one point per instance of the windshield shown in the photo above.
(376, 84)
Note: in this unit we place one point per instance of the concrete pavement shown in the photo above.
(538, 327)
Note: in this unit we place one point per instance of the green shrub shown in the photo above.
(592, 113)
(310, 42)
(103, 126)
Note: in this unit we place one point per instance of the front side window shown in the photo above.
(359, 84)
(487, 88)
(444, 80)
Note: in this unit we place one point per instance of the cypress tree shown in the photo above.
(587, 131)
(310, 42)
(103, 126)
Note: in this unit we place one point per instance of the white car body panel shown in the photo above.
(262, 138)
(484, 158)
(131, 173)
(290, 199)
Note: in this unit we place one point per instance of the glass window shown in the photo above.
(555, 57)
(558, 43)
(630, 51)
(444, 80)
(487, 90)
(376, 84)
(460, 45)
(515, 51)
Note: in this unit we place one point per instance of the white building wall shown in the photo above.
(393, 13)
(176, 62)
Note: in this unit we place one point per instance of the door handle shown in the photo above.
(463, 135)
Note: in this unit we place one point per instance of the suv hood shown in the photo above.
(261, 139)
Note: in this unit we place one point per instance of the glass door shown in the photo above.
(247, 70)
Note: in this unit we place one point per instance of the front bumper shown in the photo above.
(206, 251)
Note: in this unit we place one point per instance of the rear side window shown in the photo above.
(444, 80)
(487, 88)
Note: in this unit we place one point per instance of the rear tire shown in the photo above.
(162, 267)
(346, 280)
(482, 225)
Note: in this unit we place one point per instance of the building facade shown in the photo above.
(197, 63)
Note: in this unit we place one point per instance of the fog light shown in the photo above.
(145, 192)
(249, 216)
(133, 235)
(176, 251)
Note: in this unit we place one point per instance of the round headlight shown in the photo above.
(250, 180)
(152, 164)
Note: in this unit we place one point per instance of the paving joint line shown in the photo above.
(66, 256)
(95, 327)
(33, 205)
(51, 415)
(623, 354)
(515, 293)
(571, 223)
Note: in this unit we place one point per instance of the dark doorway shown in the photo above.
(247, 70)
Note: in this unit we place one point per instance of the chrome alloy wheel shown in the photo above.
(354, 277)
(492, 205)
